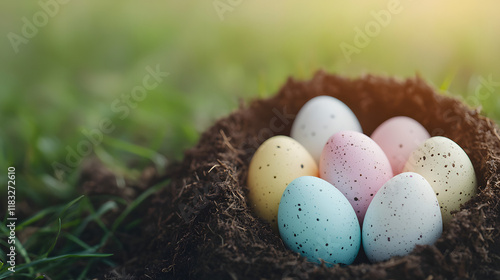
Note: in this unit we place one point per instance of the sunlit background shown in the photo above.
(87, 54)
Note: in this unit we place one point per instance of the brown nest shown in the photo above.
(201, 226)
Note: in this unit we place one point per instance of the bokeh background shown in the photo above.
(219, 54)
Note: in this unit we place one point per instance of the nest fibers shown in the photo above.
(204, 229)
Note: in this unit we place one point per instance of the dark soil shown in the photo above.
(200, 226)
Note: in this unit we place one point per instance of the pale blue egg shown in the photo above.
(317, 221)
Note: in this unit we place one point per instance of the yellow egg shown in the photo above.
(275, 164)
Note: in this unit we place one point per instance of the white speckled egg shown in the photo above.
(357, 166)
(320, 118)
(275, 164)
(449, 171)
(398, 137)
(404, 213)
(318, 222)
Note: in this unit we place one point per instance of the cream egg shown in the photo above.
(448, 169)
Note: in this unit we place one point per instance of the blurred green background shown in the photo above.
(84, 55)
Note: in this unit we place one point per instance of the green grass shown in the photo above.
(39, 255)
(67, 77)
(65, 225)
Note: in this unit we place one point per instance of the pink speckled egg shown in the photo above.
(398, 137)
(355, 165)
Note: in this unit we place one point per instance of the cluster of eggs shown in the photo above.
(330, 190)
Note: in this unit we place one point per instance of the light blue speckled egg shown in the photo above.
(317, 221)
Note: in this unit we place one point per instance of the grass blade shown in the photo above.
(38, 216)
(159, 160)
(95, 216)
(55, 241)
(22, 267)
(70, 204)
(79, 242)
(445, 85)
(138, 201)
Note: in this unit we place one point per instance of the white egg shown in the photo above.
(320, 118)
(404, 213)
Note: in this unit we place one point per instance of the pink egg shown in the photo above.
(398, 137)
(355, 165)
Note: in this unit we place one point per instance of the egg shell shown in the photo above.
(404, 213)
(276, 163)
(316, 221)
(320, 118)
(398, 137)
(449, 171)
(357, 166)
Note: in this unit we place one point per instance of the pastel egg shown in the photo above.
(449, 171)
(320, 118)
(398, 137)
(357, 166)
(276, 163)
(316, 221)
(404, 213)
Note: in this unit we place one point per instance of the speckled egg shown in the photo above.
(449, 171)
(274, 165)
(398, 137)
(404, 213)
(320, 118)
(316, 221)
(357, 166)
